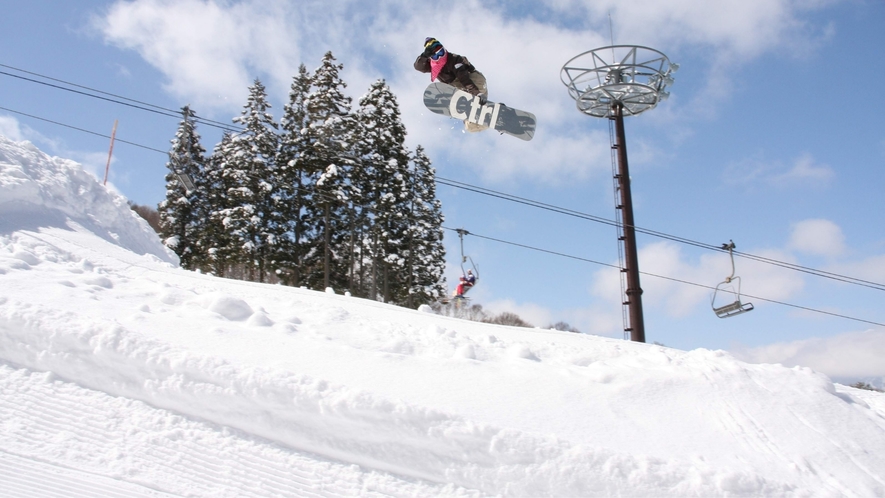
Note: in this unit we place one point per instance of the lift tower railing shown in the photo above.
(614, 82)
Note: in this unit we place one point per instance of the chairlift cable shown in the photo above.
(673, 279)
(81, 129)
(674, 238)
(452, 183)
(144, 106)
(525, 246)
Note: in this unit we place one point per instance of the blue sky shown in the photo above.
(774, 137)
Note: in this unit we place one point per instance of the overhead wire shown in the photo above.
(137, 104)
(600, 263)
(512, 198)
(82, 130)
(453, 183)
(686, 282)
(655, 233)
(664, 277)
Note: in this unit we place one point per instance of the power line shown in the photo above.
(524, 246)
(674, 238)
(453, 183)
(687, 282)
(82, 130)
(137, 104)
(513, 198)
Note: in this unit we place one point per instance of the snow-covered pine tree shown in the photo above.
(252, 213)
(181, 216)
(426, 263)
(385, 184)
(223, 254)
(295, 187)
(328, 161)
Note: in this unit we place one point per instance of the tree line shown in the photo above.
(328, 197)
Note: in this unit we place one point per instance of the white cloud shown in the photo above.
(804, 169)
(536, 315)
(549, 159)
(211, 50)
(600, 318)
(819, 237)
(848, 355)
(92, 162)
(737, 28)
(728, 33)
(757, 170)
(871, 269)
(10, 128)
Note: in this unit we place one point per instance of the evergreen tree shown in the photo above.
(252, 214)
(328, 162)
(334, 199)
(222, 253)
(181, 219)
(384, 182)
(426, 262)
(295, 187)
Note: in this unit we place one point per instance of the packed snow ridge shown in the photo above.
(124, 375)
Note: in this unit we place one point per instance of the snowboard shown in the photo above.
(442, 98)
(457, 300)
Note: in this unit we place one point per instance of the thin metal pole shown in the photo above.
(327, 236)
(634, 291)
(107, 168)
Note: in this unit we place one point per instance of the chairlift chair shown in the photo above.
(183, 177)
(464, 259)
(187, 182)
(729, 287)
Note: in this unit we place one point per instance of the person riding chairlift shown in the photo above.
(465, 283)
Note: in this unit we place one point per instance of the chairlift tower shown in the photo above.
(613, 82)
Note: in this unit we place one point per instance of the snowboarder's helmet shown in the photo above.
(432, 45)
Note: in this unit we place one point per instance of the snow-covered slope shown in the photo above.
(37, 190)
(118, 369)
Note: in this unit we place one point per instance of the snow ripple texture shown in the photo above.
(118, 369)
(94, 434)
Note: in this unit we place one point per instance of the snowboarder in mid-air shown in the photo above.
(452, 69)
(459, 91)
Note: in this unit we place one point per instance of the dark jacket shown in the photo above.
(456, 67)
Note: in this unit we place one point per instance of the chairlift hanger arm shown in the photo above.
(730, 248)
(734, 287)
(464, 258)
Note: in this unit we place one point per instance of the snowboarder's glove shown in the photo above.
(472, 89)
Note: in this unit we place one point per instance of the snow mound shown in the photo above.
(39, 191)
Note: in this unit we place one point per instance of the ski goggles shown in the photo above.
(439, 53)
